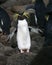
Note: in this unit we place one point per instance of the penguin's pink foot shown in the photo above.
(27, 50)
(21, 51)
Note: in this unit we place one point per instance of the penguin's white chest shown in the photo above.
(23, 36)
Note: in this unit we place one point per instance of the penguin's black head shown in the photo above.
(21, 17)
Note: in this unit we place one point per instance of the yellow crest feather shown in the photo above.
(15, 16)
(47, 17)
(26, 14)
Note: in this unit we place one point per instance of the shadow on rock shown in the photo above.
(3, 60)
(44, 57)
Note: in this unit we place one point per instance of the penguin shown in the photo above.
(48, 31)
(5, 22)
(23, 35)
(40, 10)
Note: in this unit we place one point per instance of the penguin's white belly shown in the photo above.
(23, 36)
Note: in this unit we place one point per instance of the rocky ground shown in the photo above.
(10, 55)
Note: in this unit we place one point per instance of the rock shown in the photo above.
(3, 39)
(13, 41)
(2, 56)
(2, 49)
(9, 51)
(20, 8)
(20, 59)
(36, 42)
(3, 60)
(44, 57)
(11, 3)
(1, 45)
